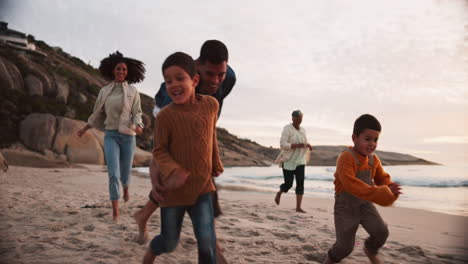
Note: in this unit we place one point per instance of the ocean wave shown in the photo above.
(435, 183)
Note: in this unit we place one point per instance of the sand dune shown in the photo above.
(62, 215)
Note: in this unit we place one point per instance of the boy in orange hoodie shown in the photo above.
(359, 182)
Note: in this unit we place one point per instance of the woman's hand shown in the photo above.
(309, 146)
(138, 129)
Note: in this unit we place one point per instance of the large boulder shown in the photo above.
(10, 76)
(33, 85)
(86, 149)
(142, 158)
(37, 131)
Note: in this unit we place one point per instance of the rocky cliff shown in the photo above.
(47, 94)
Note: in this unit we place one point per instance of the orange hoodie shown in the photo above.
(345, 179)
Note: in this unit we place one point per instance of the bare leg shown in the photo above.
(149, 257)
(328, 260)
(126, 196)
(299, 203)
(374, 259)
(141, 218)
(220, 259)
(115, 210)
(278, 197)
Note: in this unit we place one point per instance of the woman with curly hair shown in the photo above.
(117, 111)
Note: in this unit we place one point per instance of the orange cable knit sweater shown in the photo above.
(345, 179)
(185, 137)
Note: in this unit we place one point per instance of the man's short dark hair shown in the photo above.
(182, 60)
(366, 121)
(213, 51)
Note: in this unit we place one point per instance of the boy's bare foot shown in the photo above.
(374, 259)
(220, 259)
(328, 260)
(299, 210)
(143, 235)
(149, 257)
(126, 195)
(277, 198)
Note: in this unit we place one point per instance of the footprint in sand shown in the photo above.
(33, 248)
(412, 250)
(274, 218)
(308, 248)
(318, 257)
(89, 228)
(75, 241)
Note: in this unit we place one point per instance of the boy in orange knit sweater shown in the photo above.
(186, 151)
(360, 181)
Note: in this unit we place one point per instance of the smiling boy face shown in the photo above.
(366, 142)
(179, 85)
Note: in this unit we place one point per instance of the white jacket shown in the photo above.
(128, 120)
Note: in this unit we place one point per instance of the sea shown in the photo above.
(437, 188)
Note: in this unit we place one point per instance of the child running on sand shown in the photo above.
(186, 151)
(360, 181)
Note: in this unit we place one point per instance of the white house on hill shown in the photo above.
(14, 38)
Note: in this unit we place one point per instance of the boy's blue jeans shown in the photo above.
(202, 217)
(119, 150)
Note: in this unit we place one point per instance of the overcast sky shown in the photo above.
(406, 62)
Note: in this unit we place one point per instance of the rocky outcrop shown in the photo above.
(63, 89)
(37, 131)
(33, 85)
(56, 137)
(10, 76)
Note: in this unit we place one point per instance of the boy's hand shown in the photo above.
(215, 173)
(157, 187)
(309, 146)
(395, 188)
(177, 179)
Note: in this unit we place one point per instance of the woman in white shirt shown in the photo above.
(117, 111)
(293, 158)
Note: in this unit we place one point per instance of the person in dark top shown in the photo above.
(216, 79)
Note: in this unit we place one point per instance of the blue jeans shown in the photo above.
(202, 218)
(119, 150)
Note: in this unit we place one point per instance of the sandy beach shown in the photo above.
(62, 215)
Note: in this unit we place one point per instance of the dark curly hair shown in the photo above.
(136, 69)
